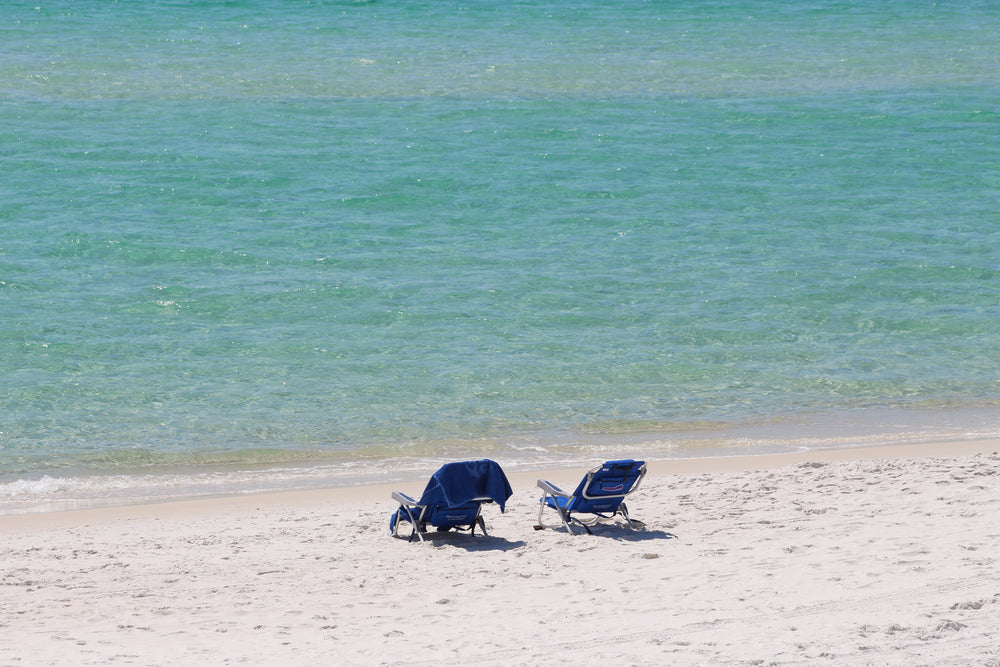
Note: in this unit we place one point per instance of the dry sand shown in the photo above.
(860, 557)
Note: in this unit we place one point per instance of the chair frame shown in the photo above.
(565, 513)
(416, 514)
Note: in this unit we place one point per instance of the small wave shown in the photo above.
(24, 488)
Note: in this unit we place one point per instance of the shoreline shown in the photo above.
(522, 481)
(257, 472)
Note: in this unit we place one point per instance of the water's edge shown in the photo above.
(139, 484)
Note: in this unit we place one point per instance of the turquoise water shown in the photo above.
(259, 244)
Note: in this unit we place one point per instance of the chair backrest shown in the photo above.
(604, 488)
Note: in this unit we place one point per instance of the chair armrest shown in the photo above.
(404, 499)
(551, 489)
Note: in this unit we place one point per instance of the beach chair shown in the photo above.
(454, 498)
(601, 493)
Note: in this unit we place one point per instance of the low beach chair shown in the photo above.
(601, 493)
(454, 498)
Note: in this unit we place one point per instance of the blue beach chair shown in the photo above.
(454, 498)
(601, 493)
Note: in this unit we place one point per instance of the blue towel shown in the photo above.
(455, 484)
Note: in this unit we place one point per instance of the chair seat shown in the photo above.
(557, 502)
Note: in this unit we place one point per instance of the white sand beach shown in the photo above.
(884, 556)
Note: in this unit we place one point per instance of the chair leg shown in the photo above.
(623, 510)
(564, 515)
(417, 528)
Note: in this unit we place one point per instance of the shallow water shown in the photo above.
(297, 241)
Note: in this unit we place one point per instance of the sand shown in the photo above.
(858, 557)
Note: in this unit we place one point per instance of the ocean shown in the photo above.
(267, 244)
